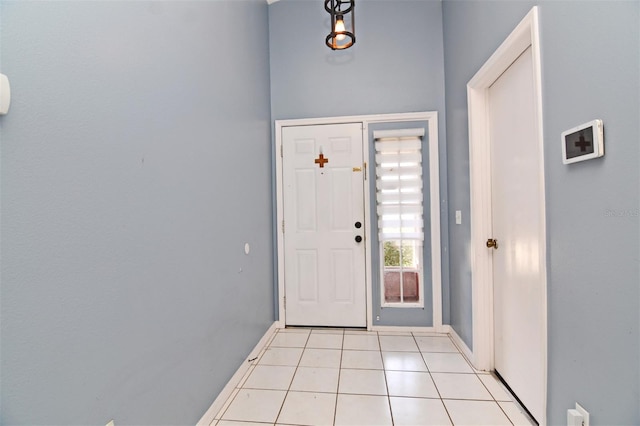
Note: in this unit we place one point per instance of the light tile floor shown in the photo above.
(352, 377)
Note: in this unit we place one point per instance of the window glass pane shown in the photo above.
(409, 255)
(392, 287)
(410, 286)
(391, 253)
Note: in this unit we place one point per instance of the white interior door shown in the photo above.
(324, 249)
(517, 212)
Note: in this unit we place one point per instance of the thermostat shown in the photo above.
(583, 142)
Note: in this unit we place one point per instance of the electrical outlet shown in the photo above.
(585, 414)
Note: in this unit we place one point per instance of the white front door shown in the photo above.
(324, 249)
(518, 224)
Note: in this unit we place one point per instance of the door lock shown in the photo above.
(491, 243)
(358, 238)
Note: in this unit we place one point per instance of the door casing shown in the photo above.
(525, 35)
(432, 118)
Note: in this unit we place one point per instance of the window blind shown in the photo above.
(399, 184)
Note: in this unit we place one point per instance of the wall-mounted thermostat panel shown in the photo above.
(583, 142)
(5, 94)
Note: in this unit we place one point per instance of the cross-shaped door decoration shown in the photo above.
(321, 161)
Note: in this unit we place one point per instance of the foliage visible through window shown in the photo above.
(392, 254)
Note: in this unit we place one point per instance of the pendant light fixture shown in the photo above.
(342, 35)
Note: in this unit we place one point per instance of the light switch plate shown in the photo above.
(585, 414)
(5, 94)
(574, 418)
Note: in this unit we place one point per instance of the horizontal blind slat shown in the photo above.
(406, 171)
(398, 145)
(386, 199)
(397, 210)
(394, 185)
(398, 157)
(397, 133)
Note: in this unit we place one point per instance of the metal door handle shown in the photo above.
(358, 238)
(491, 243)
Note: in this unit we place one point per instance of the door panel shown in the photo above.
(307, 278)
(306, 200)
(517, 197)
(343, 275)
(324, 265)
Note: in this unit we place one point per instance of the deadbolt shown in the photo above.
(358, 238)
(492, 243)
(358, 225)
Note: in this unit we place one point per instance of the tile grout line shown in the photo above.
(236, 391)
(434, 382)
(335, 407)
(475, 372)
(251, 370)
(386, 383)
(292, 378)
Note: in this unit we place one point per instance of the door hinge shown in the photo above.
(284, 302)
(365, 170)
(283, 226)
(281, 151)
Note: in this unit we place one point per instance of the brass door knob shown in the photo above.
(491, 243)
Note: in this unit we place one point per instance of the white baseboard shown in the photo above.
(400, 329)
(462, 346)
(226, 392)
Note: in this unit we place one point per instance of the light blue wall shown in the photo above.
(125, 290)
(133, 172)
(590, 69)
(384, 72)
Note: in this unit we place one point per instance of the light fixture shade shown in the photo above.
(342, 35)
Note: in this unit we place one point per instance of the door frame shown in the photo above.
(525, 35)
(431, 117)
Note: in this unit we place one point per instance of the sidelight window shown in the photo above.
(399, 200)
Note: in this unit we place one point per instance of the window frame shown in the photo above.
(420, 271)
(410, 136)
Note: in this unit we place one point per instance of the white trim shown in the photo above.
(457, 340)
(387, 146)
(367, 221)
(399, 133)
(432, 118)
(436, 257)
(402, 329)
(523, 36)
(210, 415)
